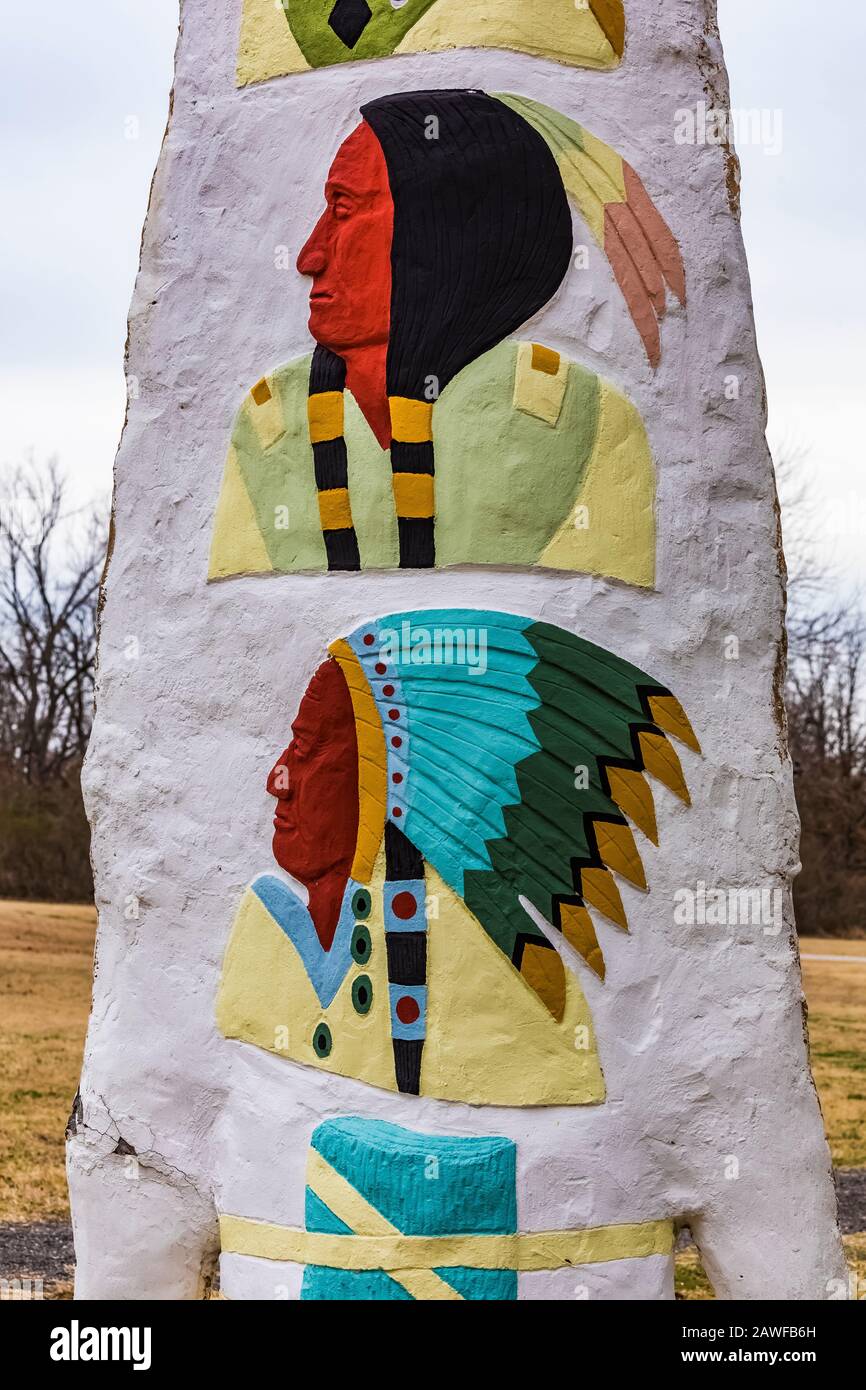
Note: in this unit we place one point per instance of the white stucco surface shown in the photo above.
(700, 1028)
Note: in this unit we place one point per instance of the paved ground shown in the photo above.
(37, 1250)
(851, 960)
(851, 1187)
(44, 1249)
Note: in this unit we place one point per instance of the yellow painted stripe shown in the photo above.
(372, 763)
(325, 414)
(353, 1210)
(335, 510)
(413, 494)
(526, 1251)
(411, 421)
(344, 1200)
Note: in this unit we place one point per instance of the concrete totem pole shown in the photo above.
(434, 482)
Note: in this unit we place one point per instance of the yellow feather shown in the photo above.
(661, 761)
(619, 852)
(579, 932)
(598, 888)
(669, 714)
(633, 795)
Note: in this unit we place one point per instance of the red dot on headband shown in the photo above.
(404, 906)
(407, 1009)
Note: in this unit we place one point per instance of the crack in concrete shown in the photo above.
(149, 1159)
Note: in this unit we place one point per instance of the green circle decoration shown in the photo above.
(362, 994)
(362, 944)
(362, 903)
(322, 1041)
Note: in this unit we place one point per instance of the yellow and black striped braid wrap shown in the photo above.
(325, 415)
(412, 477)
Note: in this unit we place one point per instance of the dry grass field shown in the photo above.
(46, 960)
(837, 1030)
(692, 1282)
(45, 969)
(836, 995)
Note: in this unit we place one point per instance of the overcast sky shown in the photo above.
(75, 189)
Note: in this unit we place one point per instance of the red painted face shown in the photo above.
(349, 251)
(315, 782)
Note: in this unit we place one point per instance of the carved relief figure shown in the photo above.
(428, 802)
(419, 433)
(302, 34)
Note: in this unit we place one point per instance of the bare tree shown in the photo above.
(825, 697)
(802, 523)
(825, 690)
(50, 564)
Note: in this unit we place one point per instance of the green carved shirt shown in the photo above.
(543, 465)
